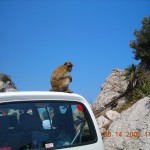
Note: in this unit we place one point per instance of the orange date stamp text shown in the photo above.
(129, 134)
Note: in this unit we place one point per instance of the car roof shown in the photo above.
(39, 95)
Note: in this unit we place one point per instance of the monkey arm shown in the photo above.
(64, 77)
(70, 78)
(60, 73)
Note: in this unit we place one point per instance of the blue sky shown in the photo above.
(36, 36)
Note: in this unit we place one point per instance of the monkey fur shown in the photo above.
(60, 80)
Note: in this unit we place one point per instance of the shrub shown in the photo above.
(141, 45)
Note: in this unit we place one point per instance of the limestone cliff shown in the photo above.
(6, 84)
(128, 130)
(114, 86)
(131, 131)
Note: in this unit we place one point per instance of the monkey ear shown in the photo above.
(65, 63)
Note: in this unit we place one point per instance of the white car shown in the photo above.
(47, 120)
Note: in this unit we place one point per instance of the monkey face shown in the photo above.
(69, 66)
(69, 69)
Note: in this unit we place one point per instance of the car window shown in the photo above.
(45, 124)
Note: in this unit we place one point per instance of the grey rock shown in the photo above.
(112, 115)
(114, 86)
(103, 131)
(133, 121)
(11, 90)
(6, 84)
(102, 121)
(1, 85)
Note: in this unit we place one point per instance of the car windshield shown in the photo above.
(44, 124)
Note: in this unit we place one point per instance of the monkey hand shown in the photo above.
(70, 77)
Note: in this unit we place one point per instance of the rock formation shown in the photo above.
(131, 131)
(6, 84)
(114, 86)
(128, 130)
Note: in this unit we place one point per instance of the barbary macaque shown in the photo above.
(60, 80)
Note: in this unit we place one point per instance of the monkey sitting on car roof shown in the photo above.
(60, 80)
